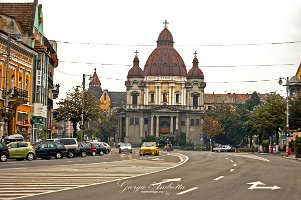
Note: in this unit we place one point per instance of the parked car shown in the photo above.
(125, 147)
(4, 153)
(100, 149)
(92, 147)
(222, 148)
(150, 148)
(71, 145)
(21, 150)
(107, 146)
(87, 149)
(49, 149)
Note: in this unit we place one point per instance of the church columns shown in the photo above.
(126, 126)
(177, 123)
(187, 129)
(152, 125)
(171, 125)
(146, 96)
(141, 122)
(157, 126)
(169, 96)
(159, 95)
(184, 96)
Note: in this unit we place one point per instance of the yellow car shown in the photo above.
(150, 148)
(21, 150)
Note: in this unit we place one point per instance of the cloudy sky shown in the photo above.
(242, 45)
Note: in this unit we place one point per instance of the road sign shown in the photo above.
(260, 185)
(287, 134)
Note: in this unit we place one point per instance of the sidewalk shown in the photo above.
(292, 156)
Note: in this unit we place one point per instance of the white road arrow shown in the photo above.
(166, 181)
(256, 185)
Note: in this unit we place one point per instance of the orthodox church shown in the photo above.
(163, 99)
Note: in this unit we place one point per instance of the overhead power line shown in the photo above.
(206, 45)
(226, 66)
(123, 79)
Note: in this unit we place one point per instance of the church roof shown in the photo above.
(165, 60)
(95, 80)
(135, 71)
(23, 12)
(195, 72)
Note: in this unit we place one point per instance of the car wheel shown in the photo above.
(70, 154)
(58, 155)
(101, 153)
(107, 151)
(93, 153)
(83, 154)
(3, 158)
(119, 150)
(30, 156)
(131, 152)
(140, 154)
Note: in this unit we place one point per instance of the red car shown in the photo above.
(92, 148)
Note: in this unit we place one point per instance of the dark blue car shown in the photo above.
(46, 150)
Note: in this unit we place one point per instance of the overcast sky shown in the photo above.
(115, 29)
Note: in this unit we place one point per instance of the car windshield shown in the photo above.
(125, 144)
(149, 144)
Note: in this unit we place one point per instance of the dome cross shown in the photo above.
(165, 23)
(136, 53)
(195, 53)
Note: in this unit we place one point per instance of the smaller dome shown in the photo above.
(195, 72)
(135, 71)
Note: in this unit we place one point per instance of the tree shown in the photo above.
(78, 105)
(244, 110)
(108, 125)
(268, 117)
(211, 127)
(229, 118)
(295, 113)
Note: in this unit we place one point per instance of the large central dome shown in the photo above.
(165, 60)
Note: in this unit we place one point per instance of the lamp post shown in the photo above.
(84, 101)
(5, 110)
(287, 108)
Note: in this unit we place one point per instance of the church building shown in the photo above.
(163, 98)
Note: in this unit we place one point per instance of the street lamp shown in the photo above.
(18, 39)
(82, 115)
(287, 107)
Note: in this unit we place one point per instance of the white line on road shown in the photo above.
(226, 158)
(220, 177)
(232, 170)
(234, 165)
(189, 190)
(231, 161)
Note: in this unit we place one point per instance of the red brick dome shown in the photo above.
(165, 60)
(195, 72)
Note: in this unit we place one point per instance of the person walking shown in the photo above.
(2, 139)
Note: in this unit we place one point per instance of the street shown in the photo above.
(179, 175)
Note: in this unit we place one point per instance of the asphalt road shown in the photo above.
(180, 175)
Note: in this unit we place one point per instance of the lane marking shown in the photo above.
(226, 158)
(232, 170)
(220, 177)
(234, 165)
(231, 161)
(189, 190)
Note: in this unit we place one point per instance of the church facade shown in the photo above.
(163, 98)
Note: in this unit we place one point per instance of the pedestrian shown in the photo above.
(2, 139)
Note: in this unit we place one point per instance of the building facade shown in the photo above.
(163, 98)
(29, 21)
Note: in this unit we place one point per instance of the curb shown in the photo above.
(292, 158)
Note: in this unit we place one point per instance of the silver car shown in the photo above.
(125, 147)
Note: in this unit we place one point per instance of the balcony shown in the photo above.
(19, 93)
